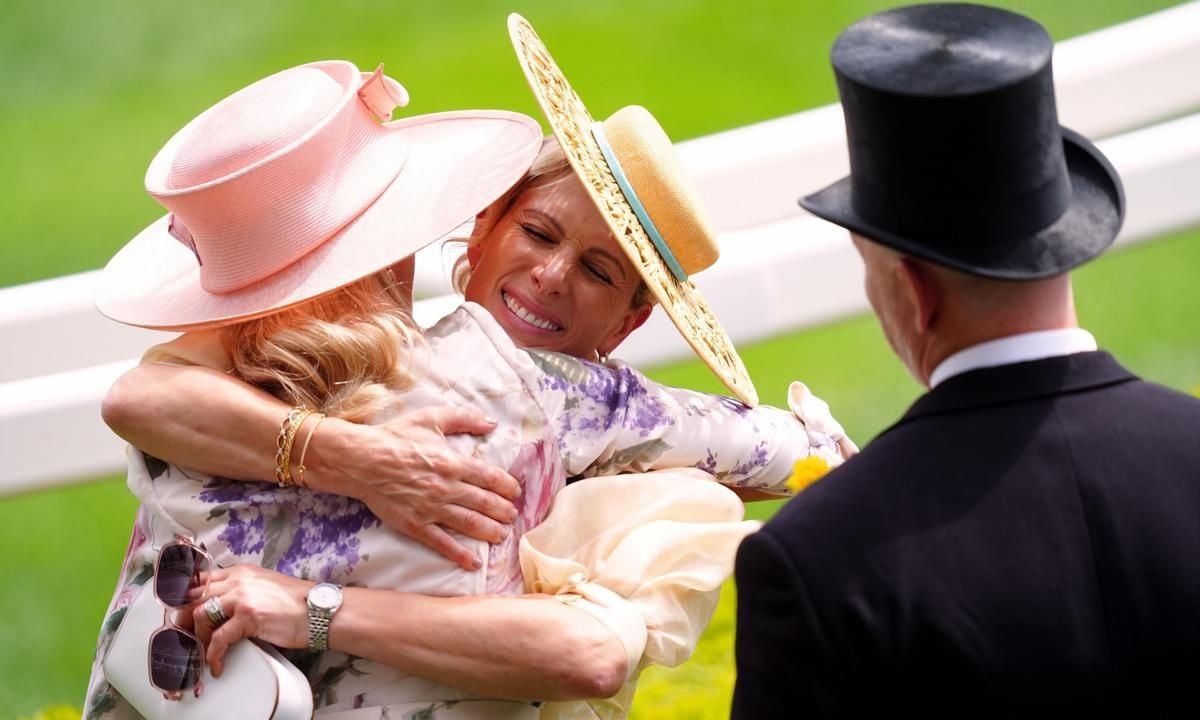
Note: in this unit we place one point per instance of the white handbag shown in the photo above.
(258, 682)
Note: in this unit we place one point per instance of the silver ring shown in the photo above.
(214, 611)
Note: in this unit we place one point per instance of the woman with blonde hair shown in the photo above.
(625, 569)
(547, 247)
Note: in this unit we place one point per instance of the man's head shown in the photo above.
(928, 312)
(961, 176)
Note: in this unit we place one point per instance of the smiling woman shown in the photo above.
(543, 262)
(561, 265)
(705, 66)
(555, 418)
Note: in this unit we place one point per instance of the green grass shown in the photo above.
(62, 552)
(1139, 302)
(53, 614)
(94, 89)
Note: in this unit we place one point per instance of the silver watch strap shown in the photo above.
(318, 629)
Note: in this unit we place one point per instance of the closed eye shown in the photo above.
(598, 272)
(537, 234)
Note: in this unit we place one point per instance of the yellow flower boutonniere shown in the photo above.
(806, 471)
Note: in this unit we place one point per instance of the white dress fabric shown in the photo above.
(646, 553)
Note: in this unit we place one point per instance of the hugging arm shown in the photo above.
(540, 648)
(620, 421)
(403, 470)
(635, 564)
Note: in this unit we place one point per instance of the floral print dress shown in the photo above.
(559, 418)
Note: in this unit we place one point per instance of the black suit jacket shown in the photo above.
(1024, 542)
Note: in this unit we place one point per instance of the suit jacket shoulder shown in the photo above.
(1041, 517)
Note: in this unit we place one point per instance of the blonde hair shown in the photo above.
(344, 354)
(550, 165)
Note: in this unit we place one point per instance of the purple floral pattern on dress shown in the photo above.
(757, 458)
(600, 397)
(295, 531)
(558, 416)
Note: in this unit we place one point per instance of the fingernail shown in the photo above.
(491, 420)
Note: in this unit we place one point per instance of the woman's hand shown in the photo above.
(258, 603)
(403, 470)
(497, 646)
(814, 413)
(408, 475)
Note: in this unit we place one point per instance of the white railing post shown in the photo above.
(1131, 86)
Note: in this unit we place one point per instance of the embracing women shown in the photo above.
(294, 434)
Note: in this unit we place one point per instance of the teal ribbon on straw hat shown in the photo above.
(638, 209)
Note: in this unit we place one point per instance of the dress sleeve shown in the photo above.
(644, 554)
(610, 419)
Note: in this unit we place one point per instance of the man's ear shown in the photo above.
(633, 320)
(924, 289)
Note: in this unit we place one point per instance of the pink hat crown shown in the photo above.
(289, 105)
(270, 173)
(301, 184)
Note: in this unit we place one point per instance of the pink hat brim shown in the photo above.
(458, 163)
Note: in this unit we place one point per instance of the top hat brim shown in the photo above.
(571, 124)
(459, 163)
(1085, 229)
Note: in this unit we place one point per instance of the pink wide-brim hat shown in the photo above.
(298, 185)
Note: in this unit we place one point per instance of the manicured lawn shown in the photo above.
(1150, 325)
(65, 546)
(94, 89)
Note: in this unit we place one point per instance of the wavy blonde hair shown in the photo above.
(344, 354)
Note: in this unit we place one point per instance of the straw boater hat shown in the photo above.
(629, 168)
(298, 185)
(956, 154)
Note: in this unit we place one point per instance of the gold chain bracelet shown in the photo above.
(283, 444)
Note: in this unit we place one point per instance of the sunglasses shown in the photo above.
(176, 654)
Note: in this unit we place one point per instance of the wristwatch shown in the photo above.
(324, 599)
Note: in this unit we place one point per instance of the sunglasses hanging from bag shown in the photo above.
(176, 655)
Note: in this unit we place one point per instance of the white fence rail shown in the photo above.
(1131, 85)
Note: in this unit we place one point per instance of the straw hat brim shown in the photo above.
(457, 164)
(572, 125)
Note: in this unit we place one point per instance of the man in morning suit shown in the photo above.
(1025, 541)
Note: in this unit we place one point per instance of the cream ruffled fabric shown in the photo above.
(646, 554)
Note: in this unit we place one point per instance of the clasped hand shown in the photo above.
(408, 475)
(258, 603)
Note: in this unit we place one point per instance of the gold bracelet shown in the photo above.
(283, 444)
(304, 449)
(291, 437)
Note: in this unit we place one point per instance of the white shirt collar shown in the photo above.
(1014, 349)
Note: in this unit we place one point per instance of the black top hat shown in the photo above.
(956, 154)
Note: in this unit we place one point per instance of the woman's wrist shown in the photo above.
(328, 442)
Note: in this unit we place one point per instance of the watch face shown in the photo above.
(324, 596)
